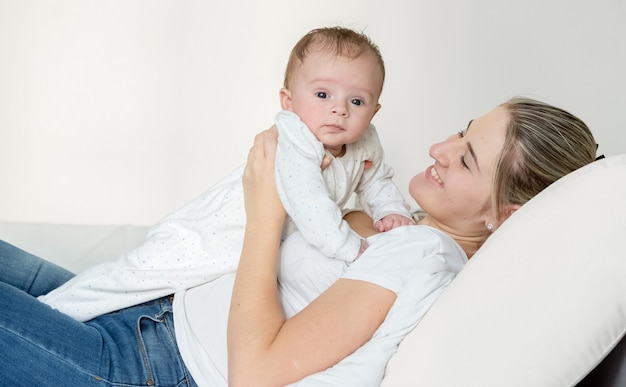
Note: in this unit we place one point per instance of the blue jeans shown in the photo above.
(28, 273)
(40, 346)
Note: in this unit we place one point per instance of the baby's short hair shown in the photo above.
(341, 41)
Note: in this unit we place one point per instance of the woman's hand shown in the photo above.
(259, 183)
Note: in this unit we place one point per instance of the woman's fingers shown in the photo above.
(270, 140)
(259, 182)
(263, 148)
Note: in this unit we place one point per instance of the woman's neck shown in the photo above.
(469, 241)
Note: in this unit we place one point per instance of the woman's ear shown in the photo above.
(491, 223)
(285, 99)
(510, 209)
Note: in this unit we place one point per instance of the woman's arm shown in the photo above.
(263, 347)
(361, 223)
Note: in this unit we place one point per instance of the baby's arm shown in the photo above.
(304, 192)
(377, 193)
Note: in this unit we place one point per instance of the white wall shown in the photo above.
(122, 111)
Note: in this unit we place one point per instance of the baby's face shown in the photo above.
(335, 96)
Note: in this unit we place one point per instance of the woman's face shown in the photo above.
(455, 191)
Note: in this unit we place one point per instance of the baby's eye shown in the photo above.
(357, 102)
(321, 94)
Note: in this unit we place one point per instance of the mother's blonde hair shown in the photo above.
(542, 144)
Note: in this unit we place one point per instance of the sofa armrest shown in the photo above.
(74, 247)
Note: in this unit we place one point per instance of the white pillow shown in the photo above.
(541, 303)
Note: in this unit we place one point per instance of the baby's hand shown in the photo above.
(363, 247)
(326, 162)
(391, 221)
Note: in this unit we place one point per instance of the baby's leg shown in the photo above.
(196, 244)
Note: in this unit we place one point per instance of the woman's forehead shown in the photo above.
(492, 124)
(496, 118)
(487, 133)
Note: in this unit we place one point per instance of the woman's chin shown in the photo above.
(416, 185)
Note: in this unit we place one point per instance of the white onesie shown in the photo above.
(202, 241)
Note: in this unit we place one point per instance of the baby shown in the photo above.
(333, 80)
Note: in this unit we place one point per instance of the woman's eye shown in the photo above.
(461, 133)
(357, 102)
(463, 163)
(321, 94)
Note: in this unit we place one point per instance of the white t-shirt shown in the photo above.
(415, 262)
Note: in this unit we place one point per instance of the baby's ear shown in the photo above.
(377, 109)
(285, 99)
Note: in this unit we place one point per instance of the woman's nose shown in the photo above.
(440, 152)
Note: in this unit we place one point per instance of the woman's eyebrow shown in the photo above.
(470, 148)
(473, 154)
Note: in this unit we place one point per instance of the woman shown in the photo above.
(479, 178)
